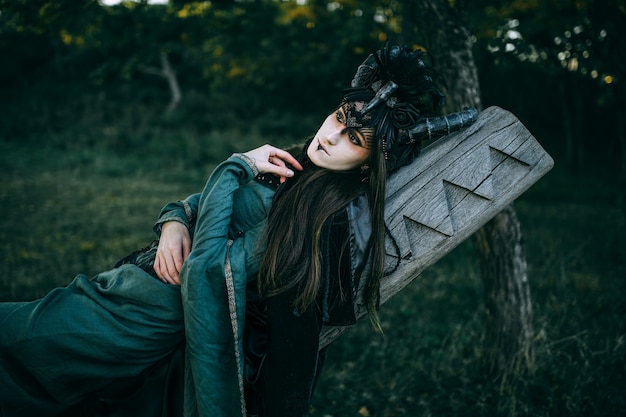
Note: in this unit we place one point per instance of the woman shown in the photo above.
(281, 247)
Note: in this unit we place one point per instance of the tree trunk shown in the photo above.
(444, 33)
(499, 245)
(167, 72)
(507, 293)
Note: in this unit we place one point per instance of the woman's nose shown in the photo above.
(334, 135)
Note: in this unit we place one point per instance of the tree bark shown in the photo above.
(499, 245)
(507, 293)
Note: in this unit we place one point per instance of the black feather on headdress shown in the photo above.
(404, 94)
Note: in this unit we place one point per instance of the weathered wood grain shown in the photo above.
(451, 190)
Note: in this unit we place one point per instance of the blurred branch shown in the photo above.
(169, 74)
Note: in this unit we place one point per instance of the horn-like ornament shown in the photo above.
(381, 95)
(436, 127)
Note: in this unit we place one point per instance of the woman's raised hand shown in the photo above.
(269, 159)
(174, 247)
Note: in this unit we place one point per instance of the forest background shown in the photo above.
(95, 138)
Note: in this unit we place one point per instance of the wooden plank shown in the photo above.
(451, 190)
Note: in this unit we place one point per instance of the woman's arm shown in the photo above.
(212, 313)
(182, 211)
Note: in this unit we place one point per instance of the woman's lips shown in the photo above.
(320, 147)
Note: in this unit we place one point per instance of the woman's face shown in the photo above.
(340, 145)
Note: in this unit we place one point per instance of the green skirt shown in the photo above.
(95, 341)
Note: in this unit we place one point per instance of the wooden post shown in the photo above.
(451, 190)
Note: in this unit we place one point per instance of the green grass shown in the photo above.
(68, 213)
(78, 207)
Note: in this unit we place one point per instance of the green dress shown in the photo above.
(101, 340)
(99, 337)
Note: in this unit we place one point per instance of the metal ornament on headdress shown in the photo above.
(382, 95)
(436, 127)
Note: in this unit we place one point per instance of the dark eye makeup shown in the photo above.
(351, 132)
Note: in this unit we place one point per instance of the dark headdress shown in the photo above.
(404, 95)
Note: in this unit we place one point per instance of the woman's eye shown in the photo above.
(354, 139)
(339, 116)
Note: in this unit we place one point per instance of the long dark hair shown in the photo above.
(401, 89)
(301, 208)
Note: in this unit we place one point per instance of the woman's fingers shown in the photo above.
(166, 270)
(269, 159)
(174, 247)
(284, 172)
(162, 270)
(287, 157)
